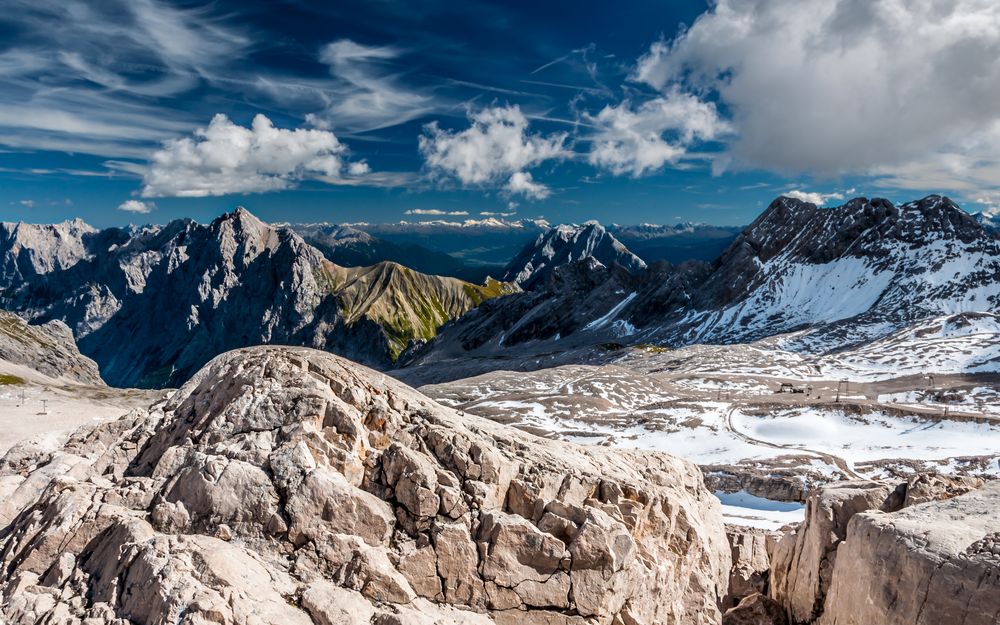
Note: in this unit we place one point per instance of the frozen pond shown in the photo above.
(742, 508)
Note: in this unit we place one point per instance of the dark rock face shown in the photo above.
(564, 245)
(756, 609)
(152, 305)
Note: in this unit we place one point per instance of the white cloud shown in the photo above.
(494, 151)
(819, 199)
(643, 139)
(521, 183)
(94, 84)
(434, 211)
(897, 88)
(497, 214)
(27, 203)
(227, 158)
(136, 206)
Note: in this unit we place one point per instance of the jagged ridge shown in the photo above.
(153, 304)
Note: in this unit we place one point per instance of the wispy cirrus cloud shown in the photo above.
(82, 77)
(368, 93)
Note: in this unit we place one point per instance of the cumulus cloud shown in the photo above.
(227, 158)
(27, 203)
(495, 151)
(522, 183)
(434, 211)
(892, 87)
(640, 140)
(136, 206)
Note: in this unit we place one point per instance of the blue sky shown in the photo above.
(144, 111)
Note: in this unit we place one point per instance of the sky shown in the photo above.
(142, 111)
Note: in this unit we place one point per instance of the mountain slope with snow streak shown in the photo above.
(868, 260)
(563, 245)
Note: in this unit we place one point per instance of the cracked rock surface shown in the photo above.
(919, 552)
(287, 485)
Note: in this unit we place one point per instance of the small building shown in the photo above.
(787, 387)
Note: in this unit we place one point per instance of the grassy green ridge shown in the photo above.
(406, 304)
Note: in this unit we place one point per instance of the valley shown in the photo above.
(740, 428)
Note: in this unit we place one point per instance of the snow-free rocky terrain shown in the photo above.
(287, 485)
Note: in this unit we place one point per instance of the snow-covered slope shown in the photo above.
(799, 265)
(840, 277)
(961, 343)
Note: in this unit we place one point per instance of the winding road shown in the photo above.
(838, 462)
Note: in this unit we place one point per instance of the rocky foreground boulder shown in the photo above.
(287, 485)
(885, 552)
(933, 563)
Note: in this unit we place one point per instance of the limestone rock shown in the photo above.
(287, 485)
(751, 564)
(755, 609)
(803, 559)
(48, 348)
(932, 563)
(923, 487)
(328, 604)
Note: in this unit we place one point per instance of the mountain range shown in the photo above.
(845, 275)
(567, 244)
(153, 304)
(476, 248)
(677, 243)
(350, 247)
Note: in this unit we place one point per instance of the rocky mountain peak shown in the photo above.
(859, 227)
(241, 220)
(39, 249)
(566, 244)
(184, 292)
